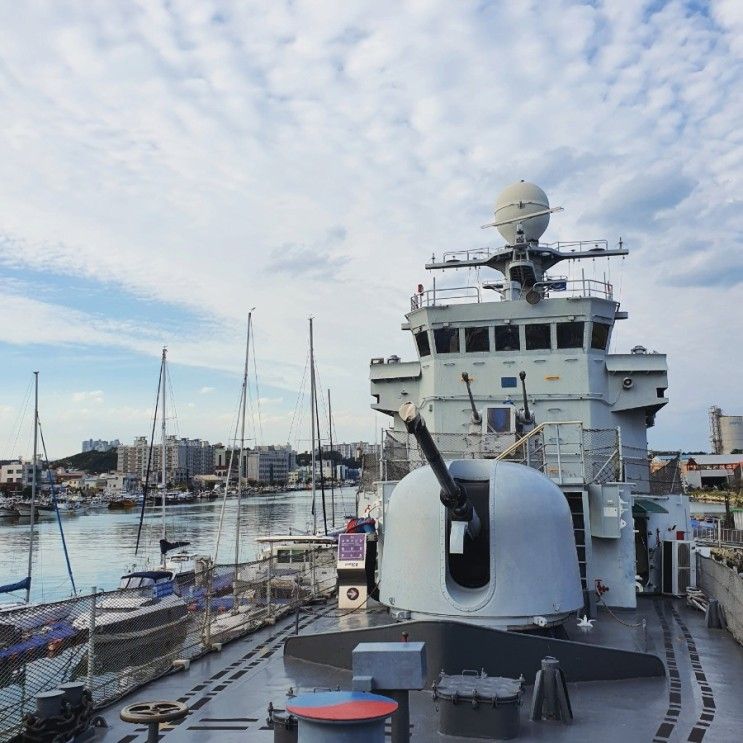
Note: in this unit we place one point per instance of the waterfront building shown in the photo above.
(226, 455)
(356, 449)
(270, 464)
(121, 483)
(712, 470)
(184, 459)
(70, 478)
(18, 474)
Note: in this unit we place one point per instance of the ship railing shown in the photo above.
(566, 451)
(117, 641)
(556, 448)
(445, 296)
(715, 534)
(580, 249)
(582, 287)
(550, 287)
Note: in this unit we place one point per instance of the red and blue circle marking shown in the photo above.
(342, 706)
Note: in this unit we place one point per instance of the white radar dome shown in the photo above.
(517, 202)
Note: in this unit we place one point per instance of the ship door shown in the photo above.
(642, 552)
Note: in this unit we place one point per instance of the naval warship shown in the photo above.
(517, 575)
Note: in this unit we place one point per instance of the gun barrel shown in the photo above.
(453, 496)
(527, 414)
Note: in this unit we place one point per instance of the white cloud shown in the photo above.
(93, 396)
(307, 158)
(206, 390)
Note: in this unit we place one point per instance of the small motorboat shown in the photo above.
(144, 603)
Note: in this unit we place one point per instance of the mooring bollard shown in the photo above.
(550, 700)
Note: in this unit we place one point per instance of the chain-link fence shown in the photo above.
(566, 452)
(401, 454)
(116, 641)
(666, 479)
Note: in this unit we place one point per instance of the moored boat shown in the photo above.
(145, 603)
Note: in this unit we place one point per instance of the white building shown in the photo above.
(19, 474)
(121, 483)
(356, 449)
(99, 445)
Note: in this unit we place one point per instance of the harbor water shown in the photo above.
(101, 542)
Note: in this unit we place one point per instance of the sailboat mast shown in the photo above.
(33, 484)
(335, 467)
(164, 442)
(244, 400)
(322, 471)
(312, 414)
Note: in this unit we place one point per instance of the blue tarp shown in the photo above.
(40, 642)
(22, 585)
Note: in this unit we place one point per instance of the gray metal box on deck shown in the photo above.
(478, 706)
(606, 503)
(392, 665)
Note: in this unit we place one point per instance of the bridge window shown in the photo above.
(424, 346)
(507, 338)
(537, 336)
(498, 420)
(446, 340)
(570, 334)
(476, 339)
(600, 335)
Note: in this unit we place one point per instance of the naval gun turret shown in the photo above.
(464, 518)
(478, 540)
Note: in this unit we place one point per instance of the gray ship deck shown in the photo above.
(699, 699)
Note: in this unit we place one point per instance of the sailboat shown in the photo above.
(20, 617)
(223, 626)
(146, 601)
(308, 554)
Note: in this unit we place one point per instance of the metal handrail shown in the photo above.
(533, 432)
(579, 287)
(432, 297)
(582, 287)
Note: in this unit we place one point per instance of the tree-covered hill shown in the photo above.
(93, 462)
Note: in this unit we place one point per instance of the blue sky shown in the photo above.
(166, 166)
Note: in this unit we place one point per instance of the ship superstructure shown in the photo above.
(526, 353)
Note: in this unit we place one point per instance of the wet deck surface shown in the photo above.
(699, 699)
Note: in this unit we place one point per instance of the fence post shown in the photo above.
(91, 640)
(208, 608)
(719, 532)
(268, 585)
(297, 602)
(559, 456)
(314, 573)
(582, 451)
